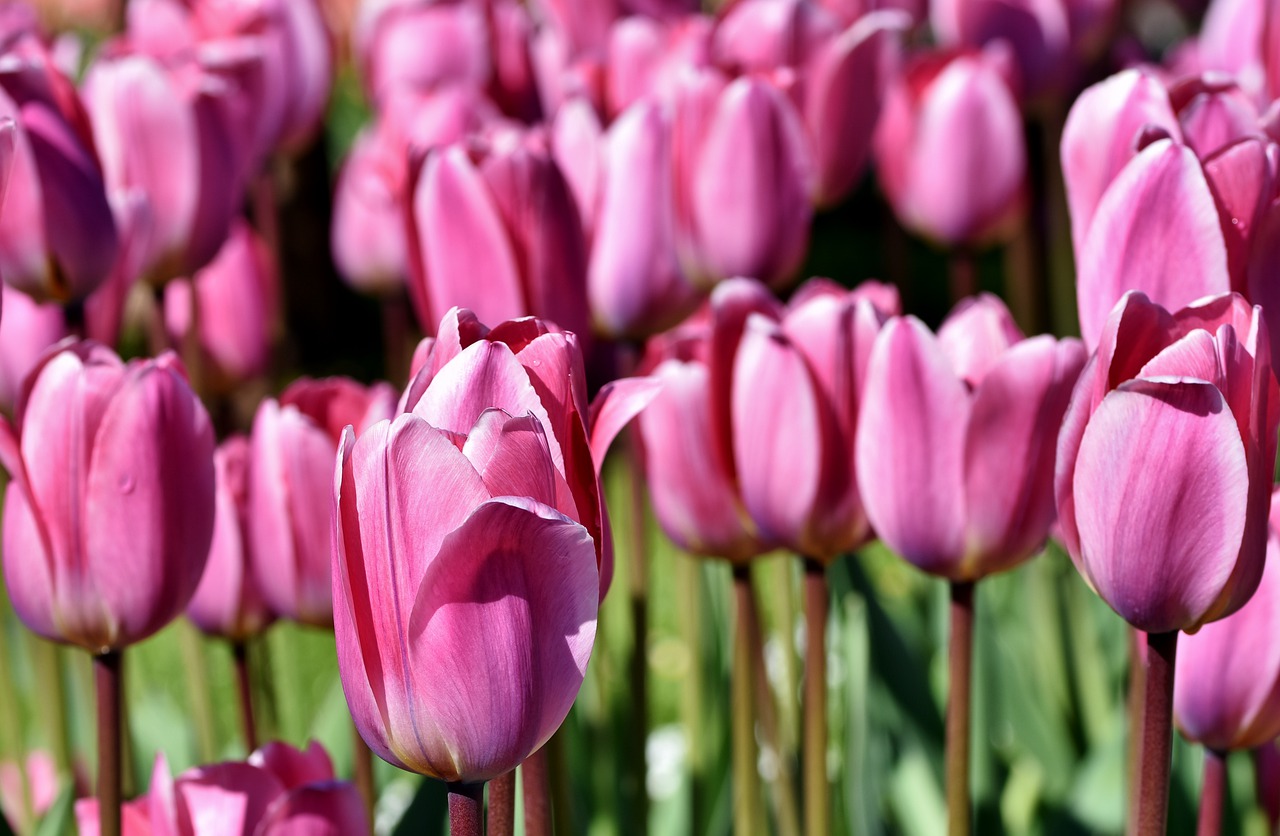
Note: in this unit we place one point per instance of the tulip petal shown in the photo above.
(512, 457)
(294, 767)
(504, 622)
(910, 447)
(228, 798)
(333, 808)
(1161, 534)
(617, 402)
(976, 334)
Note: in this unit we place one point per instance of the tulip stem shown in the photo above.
(1213, 793)
(958, 707)
(240, 657)
(52, 686)
(502, 805)
(639, 663)
(1133, 709)
(107, 669)
(536, 776)
(362, 770)
(816, 789)
(466, 809)
(1149, 808)
(963, 274)
(745, 783)
(781, 787)
(197, 673)
(689, 591)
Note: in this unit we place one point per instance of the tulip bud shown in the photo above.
(112, 479)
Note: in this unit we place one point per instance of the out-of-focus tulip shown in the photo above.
(744, 180)
(234, 308)
(422, 46)
(109, 514)
(950, 150)
(161, 133)
(797, 392)
(41, 782)
(279, 791)
(496, 230)
(228, 603)
(59, 239)
(956, 438)
(1238, 38)
(291, 464)
(1163, 477)
(1226, 692)
(648, 57)
(26, 330)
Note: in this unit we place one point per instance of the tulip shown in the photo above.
(744, 181)
(26, 330)
(390, 38)
(291, 451)
(233, 303)
(949, 148)
(59, 239)
(1239, 38)
(40, 783)
(648, 57)
(1170, 542)
(495, 229)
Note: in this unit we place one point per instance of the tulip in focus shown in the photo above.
(956, 438)
(950, 150)
(1163, 478)
(110, 508)
(291, 460)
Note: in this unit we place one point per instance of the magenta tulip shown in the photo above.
(422, 45)
(109, 514)
(648, 57)
(26, 330)
(1227, 685)
(1163, 478)
(949, 148)
(291, 457)
(797, 392)
(956, 434)
(228, 602)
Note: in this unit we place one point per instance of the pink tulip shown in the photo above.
(59, 239)
(1239, 38)
(291, 453)
(41, 782)
(956, 438)
(162, 133)
(279, 791)
(233, 302)
(1227, 684)
(495, 229)
(949, 148)
(648, 57)
(744, 181)
(228, 602)
(422, 45)
(797, 391)
(109, 514)
(1163, 477)
(26, 330)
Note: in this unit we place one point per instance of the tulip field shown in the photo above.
(632, 417)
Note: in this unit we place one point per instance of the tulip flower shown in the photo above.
(390, 38)
(291, 453)
(40, 782)
(648, 57)
(1171, 541)
(495, 229)
(59, 239)
(949, 148)
(26, 330)
(744, 180)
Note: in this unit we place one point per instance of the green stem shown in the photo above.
(466, 809)
(781, 788)
(959, 711)
(502, 805)
(196, 667)
(1149, 808)
(51, 682)
(689, 578)
(1213, 793)
(817, 805)
(244, 688)
(639, 664)
(558, 777)
(107, 668)
(745, 782)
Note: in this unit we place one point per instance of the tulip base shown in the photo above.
(466, 809)
(1213, 793)
(107, 674)
(960, 668)
(816, 789)
(1148, 809)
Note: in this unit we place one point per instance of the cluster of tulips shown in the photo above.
(597, 211)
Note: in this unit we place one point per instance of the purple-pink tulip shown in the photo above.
(109, 514)
(949, 148)
(227, 602)
(1163, 476)
(956, 438)
(797, 392)
(648, 57)
(26, 330)
(291, 464)
(1226, 692)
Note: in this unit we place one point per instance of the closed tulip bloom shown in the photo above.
(1226, 692)
(797, 392)
(228, 602)
(1163, 476)
(109, 514)
(291, 457)
(59, 239)
(496, 230)
(956, 439)
(26, 330)
(422, 45)
(949, 148)
(648, 57)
